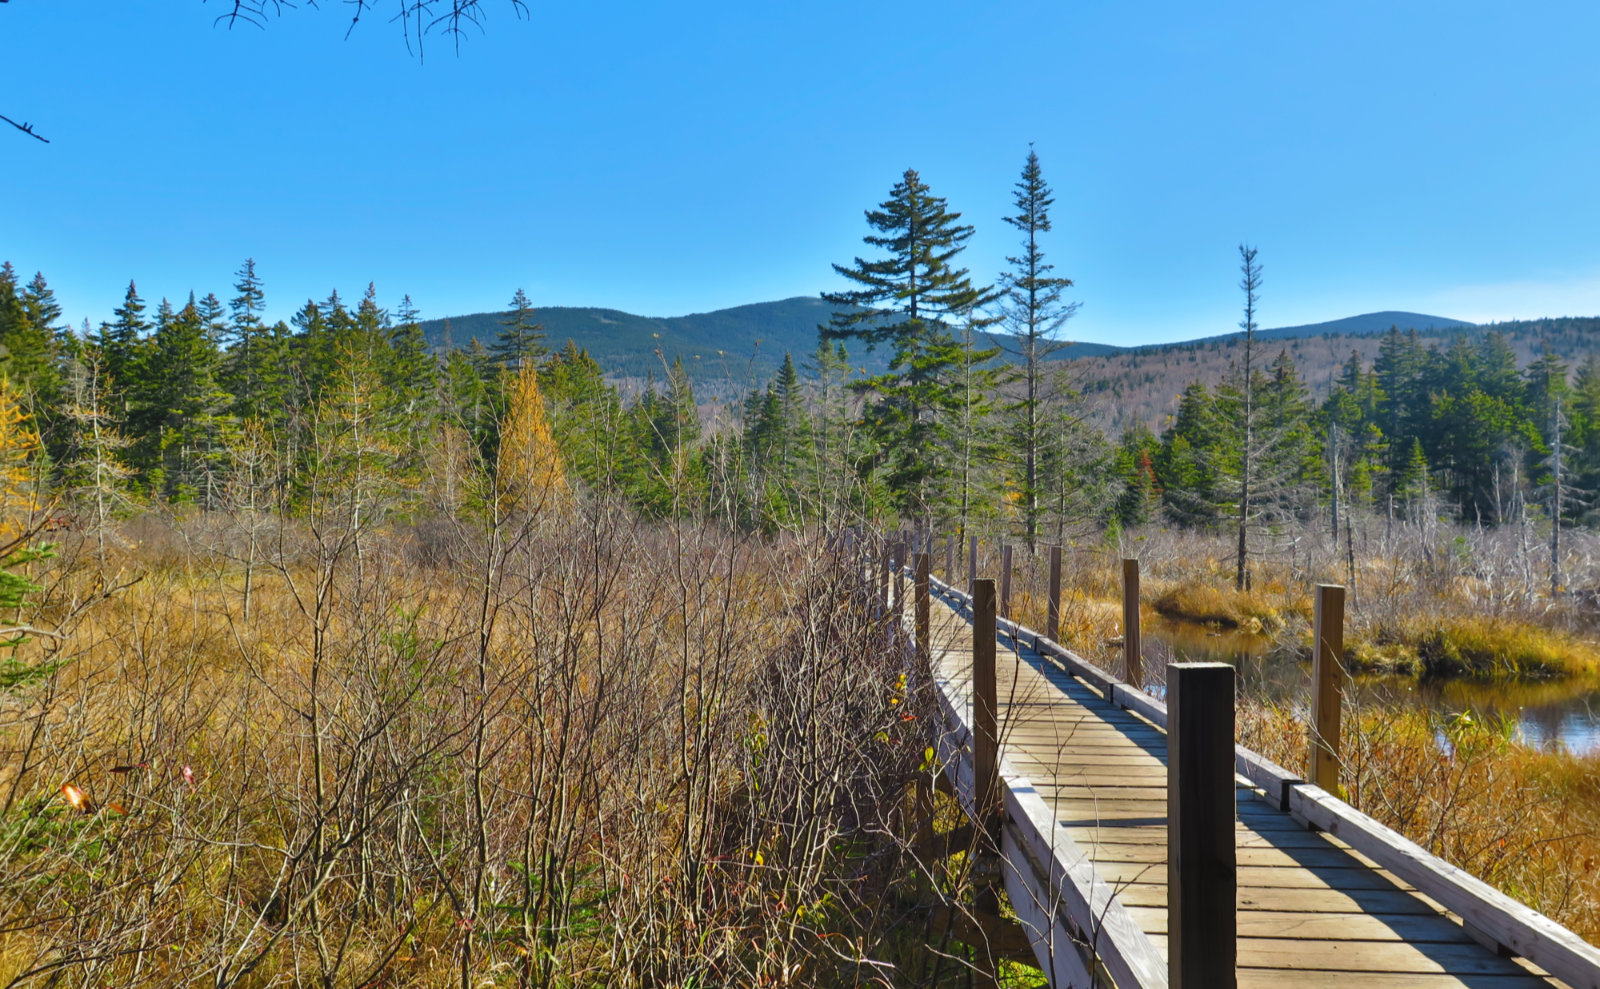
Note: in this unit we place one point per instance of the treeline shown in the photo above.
(1465, 424)
(965, 422)
(959, 431)
(187, 403)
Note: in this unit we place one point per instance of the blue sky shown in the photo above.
(673, 158)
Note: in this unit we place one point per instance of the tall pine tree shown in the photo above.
(905, 300)
(1034, 313)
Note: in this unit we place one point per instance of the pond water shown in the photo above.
(1563, 714)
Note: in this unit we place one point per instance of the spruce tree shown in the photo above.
(904, 301)
(257, 354)
(522, 339)
(28, 333)
(119, 343)
(187, 406)
(412, 373)
(1034, 313)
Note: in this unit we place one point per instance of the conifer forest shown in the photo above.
(333, 655)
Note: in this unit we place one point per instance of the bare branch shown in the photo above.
(24, 128)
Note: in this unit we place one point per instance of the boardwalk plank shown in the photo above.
(1312, 912)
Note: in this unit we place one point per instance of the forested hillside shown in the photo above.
(1143, 386)
(733, 343)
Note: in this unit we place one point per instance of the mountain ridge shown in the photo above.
(750, 340)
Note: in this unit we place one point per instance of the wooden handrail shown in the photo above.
(1488, 915)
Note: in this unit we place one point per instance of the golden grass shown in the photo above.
(1479, 647)
(628, 691)
(1223, 607)
(1524, 820)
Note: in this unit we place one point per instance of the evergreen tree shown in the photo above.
(257, 354)
(901, 301)
(371, 327)
(1186, 464)
(28, 334)
(1244, 417)
(119, 343)
(1033, 312)
(190, 409)
(587, 419)
(308, 344)
(1398, 370)
(522, 339)
(411, 375)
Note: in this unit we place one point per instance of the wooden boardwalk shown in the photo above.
(1085, 784)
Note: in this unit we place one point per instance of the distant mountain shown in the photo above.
(729, 343)
(1366, 324)
(747, 343)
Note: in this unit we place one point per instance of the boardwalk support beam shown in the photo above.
(887, 567)
(1005, 581)
(1202, 923)
(923, 603)
(1130, 623)
(1327, 679)
(1052, 625)
(985, 712)
(896, 565)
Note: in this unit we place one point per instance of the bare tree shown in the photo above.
(417, 18)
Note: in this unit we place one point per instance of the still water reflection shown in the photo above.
(1565, 714)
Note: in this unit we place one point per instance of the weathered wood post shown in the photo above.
(1130, 623)
(1005, 581)
(896, 565)
(885, 567)
(1052, 623)
(985, 712)
(972, 565)
(922, 606)
(949, 559)
(1202, 925)
(1327, 685)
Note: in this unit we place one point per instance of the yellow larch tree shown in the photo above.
(529, 477)
(19, 442)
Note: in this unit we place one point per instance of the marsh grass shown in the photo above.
(1523, 820)
(1455, 603)
(573, 749)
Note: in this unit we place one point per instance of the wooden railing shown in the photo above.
(1052, 882)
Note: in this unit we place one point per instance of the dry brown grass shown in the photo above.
(586, 751)
(1526, 821)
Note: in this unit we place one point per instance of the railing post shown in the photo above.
(886, 566)
(1052, 623)
(972, 566)
(924, 636)
(985, 711)
(897, 562)
(1130, 623)
(1005, 581)
(949, 559)
(1202, 925)
(1327, 685)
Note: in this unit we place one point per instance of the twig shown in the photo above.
(25, 128)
